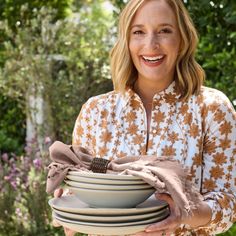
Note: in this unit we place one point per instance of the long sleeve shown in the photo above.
(219, 164)
(84, 128)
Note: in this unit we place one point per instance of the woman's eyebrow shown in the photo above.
(166, 24)
(138, 26)
(159, 25)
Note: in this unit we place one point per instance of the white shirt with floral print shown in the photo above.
(199, 132)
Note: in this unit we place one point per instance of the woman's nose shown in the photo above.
(152, 41)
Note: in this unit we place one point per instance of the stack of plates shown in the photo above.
(108, 190)
(72, 213)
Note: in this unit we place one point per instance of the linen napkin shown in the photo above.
(165, 174)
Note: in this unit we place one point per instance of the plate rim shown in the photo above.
(109, 187)
(85, 209)
(146, 221)
(103, 176)
(109, 231)
(103, 181)
(107, 219)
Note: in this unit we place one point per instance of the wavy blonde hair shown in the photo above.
(189, 75)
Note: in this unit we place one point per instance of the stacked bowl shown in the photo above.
(107, 204)
(108, 190)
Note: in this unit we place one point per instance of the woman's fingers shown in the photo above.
(156, 233)
(55, 223)
(58, 192)
(169, 224)
(167, 198)
(165, 225)
(69, 232)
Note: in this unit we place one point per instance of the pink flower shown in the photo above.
(5, 157)
(14, 184)
(7, 178)
(47, 140)
(37, 163)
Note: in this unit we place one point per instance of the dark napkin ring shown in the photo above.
(99, 165)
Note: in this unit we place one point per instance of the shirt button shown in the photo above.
(154, 131)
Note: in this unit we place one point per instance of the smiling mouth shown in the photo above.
(153, 60)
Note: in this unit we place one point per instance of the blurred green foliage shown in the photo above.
(11, 113)
(12, 10)
(216, 24)
(70, 56)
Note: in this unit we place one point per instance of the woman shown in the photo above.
(159, 107)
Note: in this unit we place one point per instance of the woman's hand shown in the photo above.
(167, 226)
(201, 217)
(68, 232)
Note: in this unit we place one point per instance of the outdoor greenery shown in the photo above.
(57, 52)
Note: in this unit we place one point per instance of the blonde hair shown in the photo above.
(189, 75)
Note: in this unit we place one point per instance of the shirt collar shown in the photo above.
(170, 95)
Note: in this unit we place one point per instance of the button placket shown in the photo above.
(161, 130)
(135, 149)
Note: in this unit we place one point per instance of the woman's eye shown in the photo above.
(165, 31)
(138, 32)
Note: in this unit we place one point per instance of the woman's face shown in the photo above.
(154, 42)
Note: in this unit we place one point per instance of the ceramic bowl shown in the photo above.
(100, 198)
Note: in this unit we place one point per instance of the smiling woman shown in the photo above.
(160, 107)
(154, 45)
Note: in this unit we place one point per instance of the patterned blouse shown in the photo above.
(199, 132)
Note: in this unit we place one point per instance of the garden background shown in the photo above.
(53, 57)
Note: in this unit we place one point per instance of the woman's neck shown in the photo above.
(146, 89)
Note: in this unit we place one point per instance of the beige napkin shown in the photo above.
(165, 174)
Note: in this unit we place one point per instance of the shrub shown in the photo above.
(24, 208)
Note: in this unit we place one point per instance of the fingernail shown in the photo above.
(150, 229)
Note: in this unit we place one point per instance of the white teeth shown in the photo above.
(153, 58)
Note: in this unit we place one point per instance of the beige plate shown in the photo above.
(103, 181)
(110, 219)
(73, 205)
(111, 231)
(160, 217)
(107, 186)
(104, 176)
